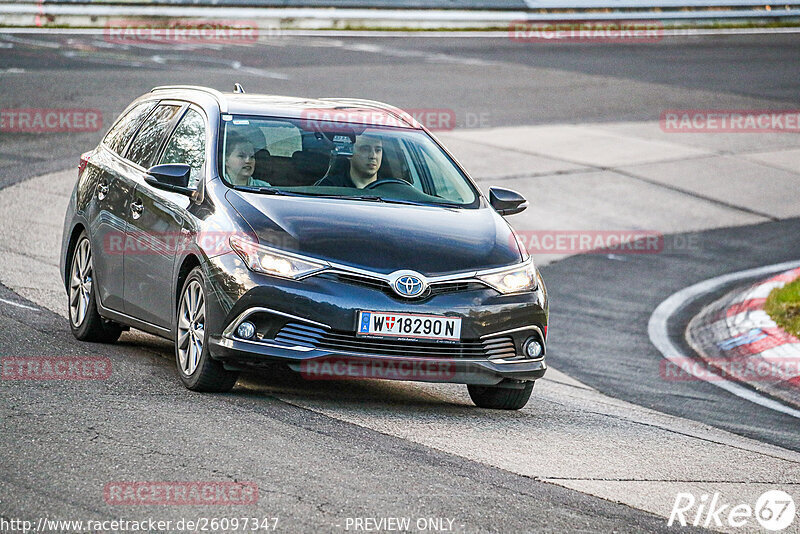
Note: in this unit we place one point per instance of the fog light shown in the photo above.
(246, 330)
(532, 347)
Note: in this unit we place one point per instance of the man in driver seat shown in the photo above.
(364, 164)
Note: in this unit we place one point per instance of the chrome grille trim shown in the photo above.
(380, 284)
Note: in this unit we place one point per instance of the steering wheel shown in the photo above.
(378, 183)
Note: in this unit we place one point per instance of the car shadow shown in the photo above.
(278, 381)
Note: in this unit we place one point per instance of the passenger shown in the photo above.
(240, 161)
(364, 164)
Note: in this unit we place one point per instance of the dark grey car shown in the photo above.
(335, 236)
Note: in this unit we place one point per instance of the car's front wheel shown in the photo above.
(84, 320)
(197, 369)
(500, 398)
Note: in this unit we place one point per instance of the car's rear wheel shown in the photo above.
(500, 398)
(197, 369)
(84, 319)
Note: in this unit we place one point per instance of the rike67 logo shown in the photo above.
(774, 510)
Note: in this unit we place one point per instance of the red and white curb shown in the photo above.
(738, 339)
(659, 332)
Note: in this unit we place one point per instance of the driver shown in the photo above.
(364, 164)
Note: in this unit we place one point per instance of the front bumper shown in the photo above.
(319, 314)
(321, 365)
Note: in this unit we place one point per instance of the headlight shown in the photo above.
(265, 260)
(512, 280)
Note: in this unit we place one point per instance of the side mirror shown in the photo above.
(506, 201)
(170, 177)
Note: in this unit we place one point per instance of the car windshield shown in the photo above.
(339, 160)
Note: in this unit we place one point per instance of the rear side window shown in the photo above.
(117, 138)
(283, 139)
(150, 135)
(188, 145)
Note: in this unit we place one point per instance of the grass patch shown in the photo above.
(783, 305)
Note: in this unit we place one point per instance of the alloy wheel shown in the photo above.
(80, 287)
(191, 327)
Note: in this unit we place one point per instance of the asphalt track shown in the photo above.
(315, 469)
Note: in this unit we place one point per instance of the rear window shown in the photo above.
(118, 136)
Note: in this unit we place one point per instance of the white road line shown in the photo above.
(32, 42)
(657, 330)
(19, 305)
(262, 73)
(278, 33)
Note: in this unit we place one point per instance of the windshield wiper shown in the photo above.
(416, 202)
(366, 198)
(268, 191)
(369, 198)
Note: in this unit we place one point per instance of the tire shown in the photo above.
(84, 319)
(197, 369)
(499, 398)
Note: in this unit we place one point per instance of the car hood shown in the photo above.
(380, 237)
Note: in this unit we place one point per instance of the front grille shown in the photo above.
(355, 279)
(336, 341)
(436, 288)
(451, 287)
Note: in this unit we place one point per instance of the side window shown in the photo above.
(117, 138)
(188, 145)
(147, 141)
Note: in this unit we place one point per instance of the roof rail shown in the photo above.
(394, 110)
(218, 96)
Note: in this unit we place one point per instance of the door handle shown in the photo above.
(102, 190)
(137, 208)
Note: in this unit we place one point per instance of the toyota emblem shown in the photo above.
(409, 286)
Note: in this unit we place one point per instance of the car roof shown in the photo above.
(351, 110)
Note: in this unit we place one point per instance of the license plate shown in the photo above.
(409, 326)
